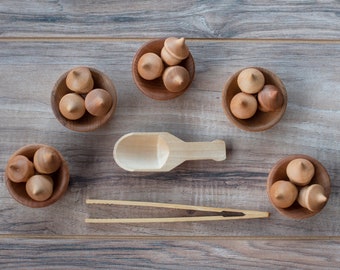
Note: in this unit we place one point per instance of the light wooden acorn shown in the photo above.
(312, 197)
(243, 105)
(283, 193)
(250, 80)
(72, 106)
(270, 98)
(174, 51)
(150, 66)
(46, 160)
(300, 171)
(98, 102)
(176, 78)
(39, 187)
(19, 169)
(80, 80)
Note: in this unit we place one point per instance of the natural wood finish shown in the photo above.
(297, 40)
(221, 213)
(162, 151)
(87, 122)
(260, 121)
(156, 89)
(192, 19)
(321, 177)
(60, 179)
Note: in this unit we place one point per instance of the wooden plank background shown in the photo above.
(298, 40)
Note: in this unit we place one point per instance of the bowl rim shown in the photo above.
(56, 195)
(239, 122)
(98, 121)
(296, 211)
(161, 93)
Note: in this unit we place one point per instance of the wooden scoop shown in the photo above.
(162, 151)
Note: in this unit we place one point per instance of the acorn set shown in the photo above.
(284, 193)
(83, 99)
(175, 77)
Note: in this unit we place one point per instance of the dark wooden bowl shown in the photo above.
(60, 180)
(278, 172)
(88, 122)
(155, 89)
(261, 120)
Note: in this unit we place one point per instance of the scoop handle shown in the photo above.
(215, 150)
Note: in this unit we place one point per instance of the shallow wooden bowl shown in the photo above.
(261, 120)
(60, 180)
(88, 122)
(155, 89)
(278, 172)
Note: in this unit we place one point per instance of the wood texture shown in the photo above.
(192, 19)
(297, 40)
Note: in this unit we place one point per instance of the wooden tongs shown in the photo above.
(221, 213)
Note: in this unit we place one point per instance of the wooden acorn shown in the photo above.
(80, 80)
(270, 98)
(72, 106)
(174, 51)
(176, 78)
(243, 105)
(98, 102)
(39, 187)
(19, 169)
(312, 197)
(150, 66)
(283, 193)
(300, 171)
(250, 80)
(46, 160)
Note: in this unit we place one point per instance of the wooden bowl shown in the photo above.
(155, 89)
(261, 120)
(87, 122)
(278, 172)
(60, 180)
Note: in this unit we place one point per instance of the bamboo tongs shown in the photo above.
(221, 213)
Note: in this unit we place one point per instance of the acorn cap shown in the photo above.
(250, 80)
(80, 80)
(98, 102)
(39, 187)
(150, 66)
(312, 197)
(283, 193)
(270, 98)
(243, 106)
(174, 50)
(176, 78)
(19, 169)
(300, 171)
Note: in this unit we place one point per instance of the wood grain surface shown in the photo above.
(297, 40)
